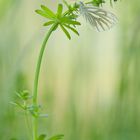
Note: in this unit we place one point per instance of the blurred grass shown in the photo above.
(89, 86)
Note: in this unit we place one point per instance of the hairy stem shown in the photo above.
(36, 80)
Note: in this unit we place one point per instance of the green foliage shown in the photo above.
(56, 137)
(26, 104)
(42, 137)
(65, 20)
(24, 95)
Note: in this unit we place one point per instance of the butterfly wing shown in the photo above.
(99, 18)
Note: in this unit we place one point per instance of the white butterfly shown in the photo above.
(99, 18)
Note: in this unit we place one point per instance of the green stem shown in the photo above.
(36, 80)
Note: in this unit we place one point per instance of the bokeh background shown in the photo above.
(90, 86)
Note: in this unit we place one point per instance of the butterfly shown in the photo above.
(99, 18)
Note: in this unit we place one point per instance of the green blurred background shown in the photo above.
(89, 86)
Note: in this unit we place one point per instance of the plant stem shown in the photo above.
(36, 80)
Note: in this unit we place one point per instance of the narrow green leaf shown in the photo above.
(55, 27)
(33, 113)
(56, 137)
(19, 95)
(69, 21)
(42, 137)
(74, 22)
(72, 16)
(42, 13)
(71, 28)
(60, 9)
(24, 95)
(48, 11)
(18, 105)
(65, 31)
(48, 23)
